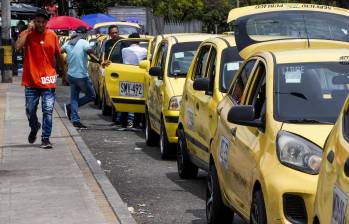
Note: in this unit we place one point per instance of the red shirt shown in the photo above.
(39, 60)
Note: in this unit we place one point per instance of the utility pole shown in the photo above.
(6, 70)
(237, 3)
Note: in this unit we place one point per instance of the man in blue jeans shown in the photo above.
(77, 49)
(39, 75)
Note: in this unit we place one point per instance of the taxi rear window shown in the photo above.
(292, 25)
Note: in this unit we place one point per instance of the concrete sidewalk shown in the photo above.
(45, 186)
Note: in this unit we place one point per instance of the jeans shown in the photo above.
(78, 85)
(48, 97)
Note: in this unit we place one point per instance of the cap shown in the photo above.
(42, 13)
(81, 29)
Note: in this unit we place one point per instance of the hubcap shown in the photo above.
(209, 197)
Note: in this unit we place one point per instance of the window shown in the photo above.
(116, 54)
(211, 73)
(241, 81)
(230, 64)
(201, 62)
(258, 91)
(181, 57)
(161, 56)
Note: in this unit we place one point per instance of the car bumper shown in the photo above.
(171, 124)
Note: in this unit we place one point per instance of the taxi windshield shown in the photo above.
(123, 29)
(230, 63)
(292, 25)
(181, 57)
(310, 92)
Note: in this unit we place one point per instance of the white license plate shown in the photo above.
(339, 206)
(133, 89)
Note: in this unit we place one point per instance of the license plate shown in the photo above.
(132, 89)
(339, 206)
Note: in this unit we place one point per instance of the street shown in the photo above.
(147, 183)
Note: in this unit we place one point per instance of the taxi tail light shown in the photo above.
(294, 209)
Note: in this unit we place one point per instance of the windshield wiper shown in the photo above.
(305, 120)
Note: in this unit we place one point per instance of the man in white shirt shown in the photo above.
(132, 55)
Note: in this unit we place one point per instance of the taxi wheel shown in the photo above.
(258, 213)
(216, 210)
(186, 169)
(151, 137)
(106, 110)
(167, 150)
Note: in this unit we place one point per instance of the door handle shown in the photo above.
(219, 110)
(197, 106)
(233, 131)
(114, 75)
(346, 167)
(330, 157)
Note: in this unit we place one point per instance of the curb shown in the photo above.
(118, 206)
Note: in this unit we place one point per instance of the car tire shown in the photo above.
(216, 211)
(106, 110)
(258, 214)
(151, 137)
(186, 169)
(167, 149)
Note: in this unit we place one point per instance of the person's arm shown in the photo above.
(23, 36)
(93, 57)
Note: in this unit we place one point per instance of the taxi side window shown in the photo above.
(116, 55)
(201, 62)
(240, 82)
(211, 73)
(258, 91)
(161, 56)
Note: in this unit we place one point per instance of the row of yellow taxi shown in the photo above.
(257, 109)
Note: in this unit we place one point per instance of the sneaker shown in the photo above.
(45, 144)
(32, 134)
(78, 125)
(67, 111)
(129, 124)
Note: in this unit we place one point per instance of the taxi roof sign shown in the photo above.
(256, 9)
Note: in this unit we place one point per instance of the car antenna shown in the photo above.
(306, 31)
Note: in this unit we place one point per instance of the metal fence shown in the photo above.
(159, 26)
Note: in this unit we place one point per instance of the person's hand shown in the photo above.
(106, 63)
(31, 26)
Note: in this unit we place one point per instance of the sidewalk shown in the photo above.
(44, 186)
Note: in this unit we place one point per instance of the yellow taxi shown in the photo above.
(96, 71)
(272, 124)
(206, 84)
(331, 203)
(124, 28)
(170, 65)
(123, 87)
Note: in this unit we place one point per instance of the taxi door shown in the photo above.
(203, 105)
(155, 97)
(191, 105)
(237, 144)
(125, 83)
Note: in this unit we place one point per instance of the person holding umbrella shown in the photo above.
(39, 74)
(77, 49)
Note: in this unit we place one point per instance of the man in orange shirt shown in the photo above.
(39, 75)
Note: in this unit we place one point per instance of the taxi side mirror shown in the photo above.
(201, 84)
(155, 71)
(145, 64)
(244, 115)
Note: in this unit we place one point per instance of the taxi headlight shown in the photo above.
(298, 153)
(175, 101)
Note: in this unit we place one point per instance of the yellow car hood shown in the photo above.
(177, 85)
(316, 133)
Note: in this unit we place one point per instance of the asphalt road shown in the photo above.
(147, 183)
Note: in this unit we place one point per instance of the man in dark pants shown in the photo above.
(39, 74)
(77, 49)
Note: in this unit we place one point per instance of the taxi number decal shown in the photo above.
(339, 206)
(344, 60)
(223, 152)
(307, 6)
(189, 119)
(48, 79)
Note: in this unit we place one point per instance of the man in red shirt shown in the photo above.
(39, 74)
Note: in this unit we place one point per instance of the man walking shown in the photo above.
(114, 37)
(132, 55)
(39, 75)
(77, 50)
